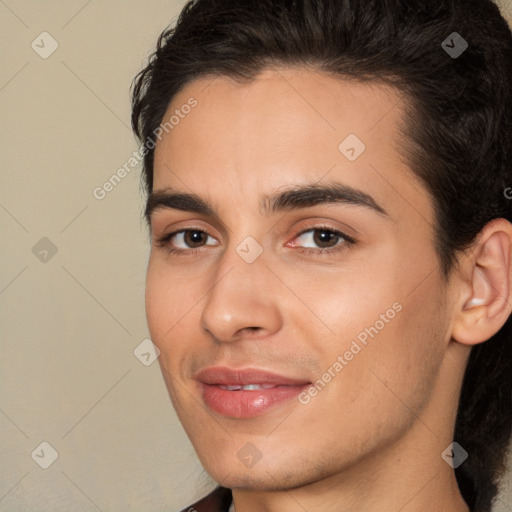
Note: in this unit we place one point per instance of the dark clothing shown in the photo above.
(218, 500)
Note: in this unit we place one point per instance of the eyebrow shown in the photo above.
(294, 198)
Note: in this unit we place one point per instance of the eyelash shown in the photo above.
(345, 243)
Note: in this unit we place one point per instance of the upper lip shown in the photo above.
(226, 376)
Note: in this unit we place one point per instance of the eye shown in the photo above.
(186, 239)
(322, 239)
(315, 240)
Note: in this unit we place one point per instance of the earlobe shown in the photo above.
(484, 312)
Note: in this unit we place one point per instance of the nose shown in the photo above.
(242, 301)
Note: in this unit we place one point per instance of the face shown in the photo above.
(293, 287)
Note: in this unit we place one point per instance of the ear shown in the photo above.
(485, 300)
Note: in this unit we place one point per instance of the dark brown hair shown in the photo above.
(459, 134)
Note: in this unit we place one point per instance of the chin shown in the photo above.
(266, 475)
(261, 481)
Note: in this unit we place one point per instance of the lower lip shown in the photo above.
(247, 404)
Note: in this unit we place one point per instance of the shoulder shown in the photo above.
(218, 500)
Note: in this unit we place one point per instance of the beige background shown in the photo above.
(70, 324)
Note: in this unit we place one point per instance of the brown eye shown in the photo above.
(321, 239)
(325, 238)
(195, 238)
(186, 239)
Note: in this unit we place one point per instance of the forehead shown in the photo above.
(286, 126)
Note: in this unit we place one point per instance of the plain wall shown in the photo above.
(70, 321)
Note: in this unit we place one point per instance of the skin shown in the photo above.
(372, 439)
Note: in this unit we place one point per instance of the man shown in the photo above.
(330, 275)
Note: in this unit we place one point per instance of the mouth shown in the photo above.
(247, 387)
(246, 393)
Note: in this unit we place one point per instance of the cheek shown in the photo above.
(166, 314)
(168, 299)
(403, 360)
(174, 300)
(163, 312)
(385, 351)
(158, 306)
(379, 392)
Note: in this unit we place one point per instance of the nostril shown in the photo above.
(246, 330)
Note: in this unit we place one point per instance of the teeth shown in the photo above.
(247, 387)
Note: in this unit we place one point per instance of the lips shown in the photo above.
(246, 393)
(220, 375)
